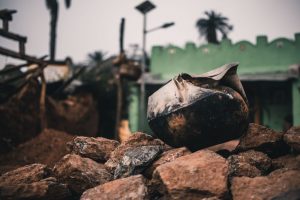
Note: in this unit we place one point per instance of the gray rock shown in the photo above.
(136, 160)
(137, 139)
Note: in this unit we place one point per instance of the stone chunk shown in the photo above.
(290, 195)
(27, 174)
(80, 173)
(237, 168)
(98, 149)
(265, 188)
(287, 161)
(131, 188)
(250, 163)
(292, 138)
(262, 139)
(202, 174)
(224, 149)
(137, 139)
(166, 157)
(48, 189)
(136, 160)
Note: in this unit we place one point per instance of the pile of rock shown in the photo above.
(264, 165)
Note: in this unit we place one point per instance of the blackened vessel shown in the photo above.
(200, 111)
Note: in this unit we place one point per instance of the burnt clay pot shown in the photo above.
(200, 111)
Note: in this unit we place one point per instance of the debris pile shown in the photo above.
(46, 148)
(264, 165)
(19, 115)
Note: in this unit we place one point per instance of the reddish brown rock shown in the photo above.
(47, 189)
(292, 138)
(237, 168)
(250, 163)
(166, 157)
(265, 188)
(202, 174)
(131, 188)
(224, 149)
(137, 139)
(80, 173)
(98, 149)
(287, 161)
(262, 139)
(27, 174)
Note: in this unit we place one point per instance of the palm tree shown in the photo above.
(209, 26)
(96, 57)
(53, 6)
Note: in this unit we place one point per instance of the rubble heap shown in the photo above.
(264, 165)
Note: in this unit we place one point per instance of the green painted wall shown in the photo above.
(296, 102)
(264, 56)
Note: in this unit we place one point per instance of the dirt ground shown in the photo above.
(46, 148)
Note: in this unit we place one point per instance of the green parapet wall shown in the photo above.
(262, 57)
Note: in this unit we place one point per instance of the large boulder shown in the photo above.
(98, 149)
(130, 188)
(292, 138)
(265, 188)
(202, 174)
(262, 139)
(137, 139)
(80, 173)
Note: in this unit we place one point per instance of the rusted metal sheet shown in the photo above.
(200, 111)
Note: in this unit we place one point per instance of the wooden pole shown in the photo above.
(43, 118)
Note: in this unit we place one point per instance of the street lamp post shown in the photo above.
(144, 8)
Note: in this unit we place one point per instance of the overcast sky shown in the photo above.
(94, 24)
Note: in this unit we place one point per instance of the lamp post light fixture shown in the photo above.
(144, 8)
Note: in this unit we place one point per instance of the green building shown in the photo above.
(270, 73)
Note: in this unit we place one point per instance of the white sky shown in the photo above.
(94, 24)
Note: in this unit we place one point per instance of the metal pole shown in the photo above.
(142, 93)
